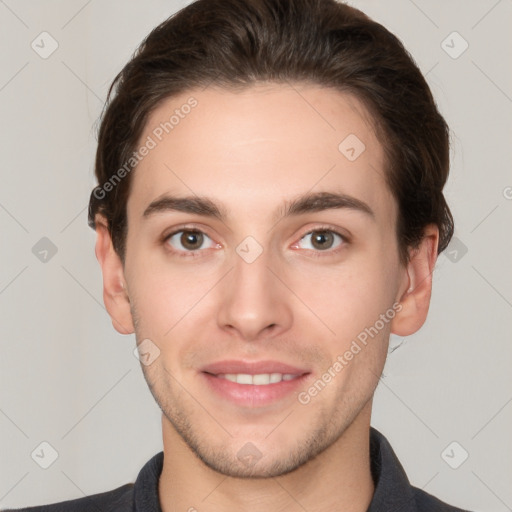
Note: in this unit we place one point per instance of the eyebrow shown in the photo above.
(310, 202)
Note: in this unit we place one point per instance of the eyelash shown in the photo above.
(328, 252)
(194, 254)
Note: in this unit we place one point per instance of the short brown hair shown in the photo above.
(237, 43)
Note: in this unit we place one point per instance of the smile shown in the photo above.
(260, 379)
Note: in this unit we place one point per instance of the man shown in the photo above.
(269, 210)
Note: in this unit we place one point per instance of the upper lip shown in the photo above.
(252, 367)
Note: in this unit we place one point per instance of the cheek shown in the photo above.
(166, 295)
(347, 299)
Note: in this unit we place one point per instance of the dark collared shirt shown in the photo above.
(393, 492)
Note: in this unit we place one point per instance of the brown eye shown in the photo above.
(187, 240)
(321, 240)
(191, 240)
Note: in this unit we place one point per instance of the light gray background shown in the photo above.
(69, 379)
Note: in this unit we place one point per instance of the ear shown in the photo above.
(115, 294)
(416, 289)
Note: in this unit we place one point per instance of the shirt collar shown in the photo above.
(392, 488)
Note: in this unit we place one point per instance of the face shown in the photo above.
(259, 249)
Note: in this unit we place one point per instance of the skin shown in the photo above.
(251, 152)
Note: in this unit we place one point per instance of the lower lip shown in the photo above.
(250, 395)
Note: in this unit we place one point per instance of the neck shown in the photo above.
(337, 479)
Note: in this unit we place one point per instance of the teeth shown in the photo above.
(243, 378)
(275, 377)
(261, 379)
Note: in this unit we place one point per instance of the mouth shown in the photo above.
(260, 379)
(253, 384)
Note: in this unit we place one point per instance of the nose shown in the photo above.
(255, 303)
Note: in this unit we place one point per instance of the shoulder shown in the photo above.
(428, 503)
(117, 500)
(393, 490)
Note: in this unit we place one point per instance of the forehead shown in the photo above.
(255, 147)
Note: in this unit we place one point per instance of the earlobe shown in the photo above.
(415, 292)
(115, 294)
